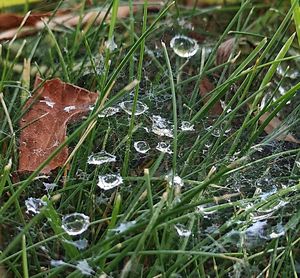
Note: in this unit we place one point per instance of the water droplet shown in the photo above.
(109, 181)
(187, 126)
(111, 45)
(182, 231)
(127, 106)
(85, 268)
(80, 244)
(164, 147)
(100, 158)
(183, 46)
(141, 146)
(297, 163)
(48, 102)
(110, 111)
(124, 226)
(75, 223)
(34, 205)
(161, 126)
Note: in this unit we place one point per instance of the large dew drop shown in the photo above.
(100, 158)
(164, 147)
(127, 106)
(183, 46)
(75, 223)
(109, 181)
(161, 126)
(141, 146)
(34, 205)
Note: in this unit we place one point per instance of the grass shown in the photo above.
(237, 213)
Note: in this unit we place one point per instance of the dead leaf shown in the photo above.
(274, 124)
(10, 20)
(54, 105)
(224, 51)
(206, 87)
(34, 23)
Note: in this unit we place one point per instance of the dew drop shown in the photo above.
(100, 158)
(34, 205)
(164, 147)
(109, 181)
(127, 106)
(141, 146)
(182, 231)
(162, 127)
(183, 46)
(187, 126)
(110, 111)
(75, 223)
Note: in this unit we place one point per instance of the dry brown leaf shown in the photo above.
(206, 87)
(11, 20)
(54, 105)
(224, 51)
(274, 124)
(35, 23)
